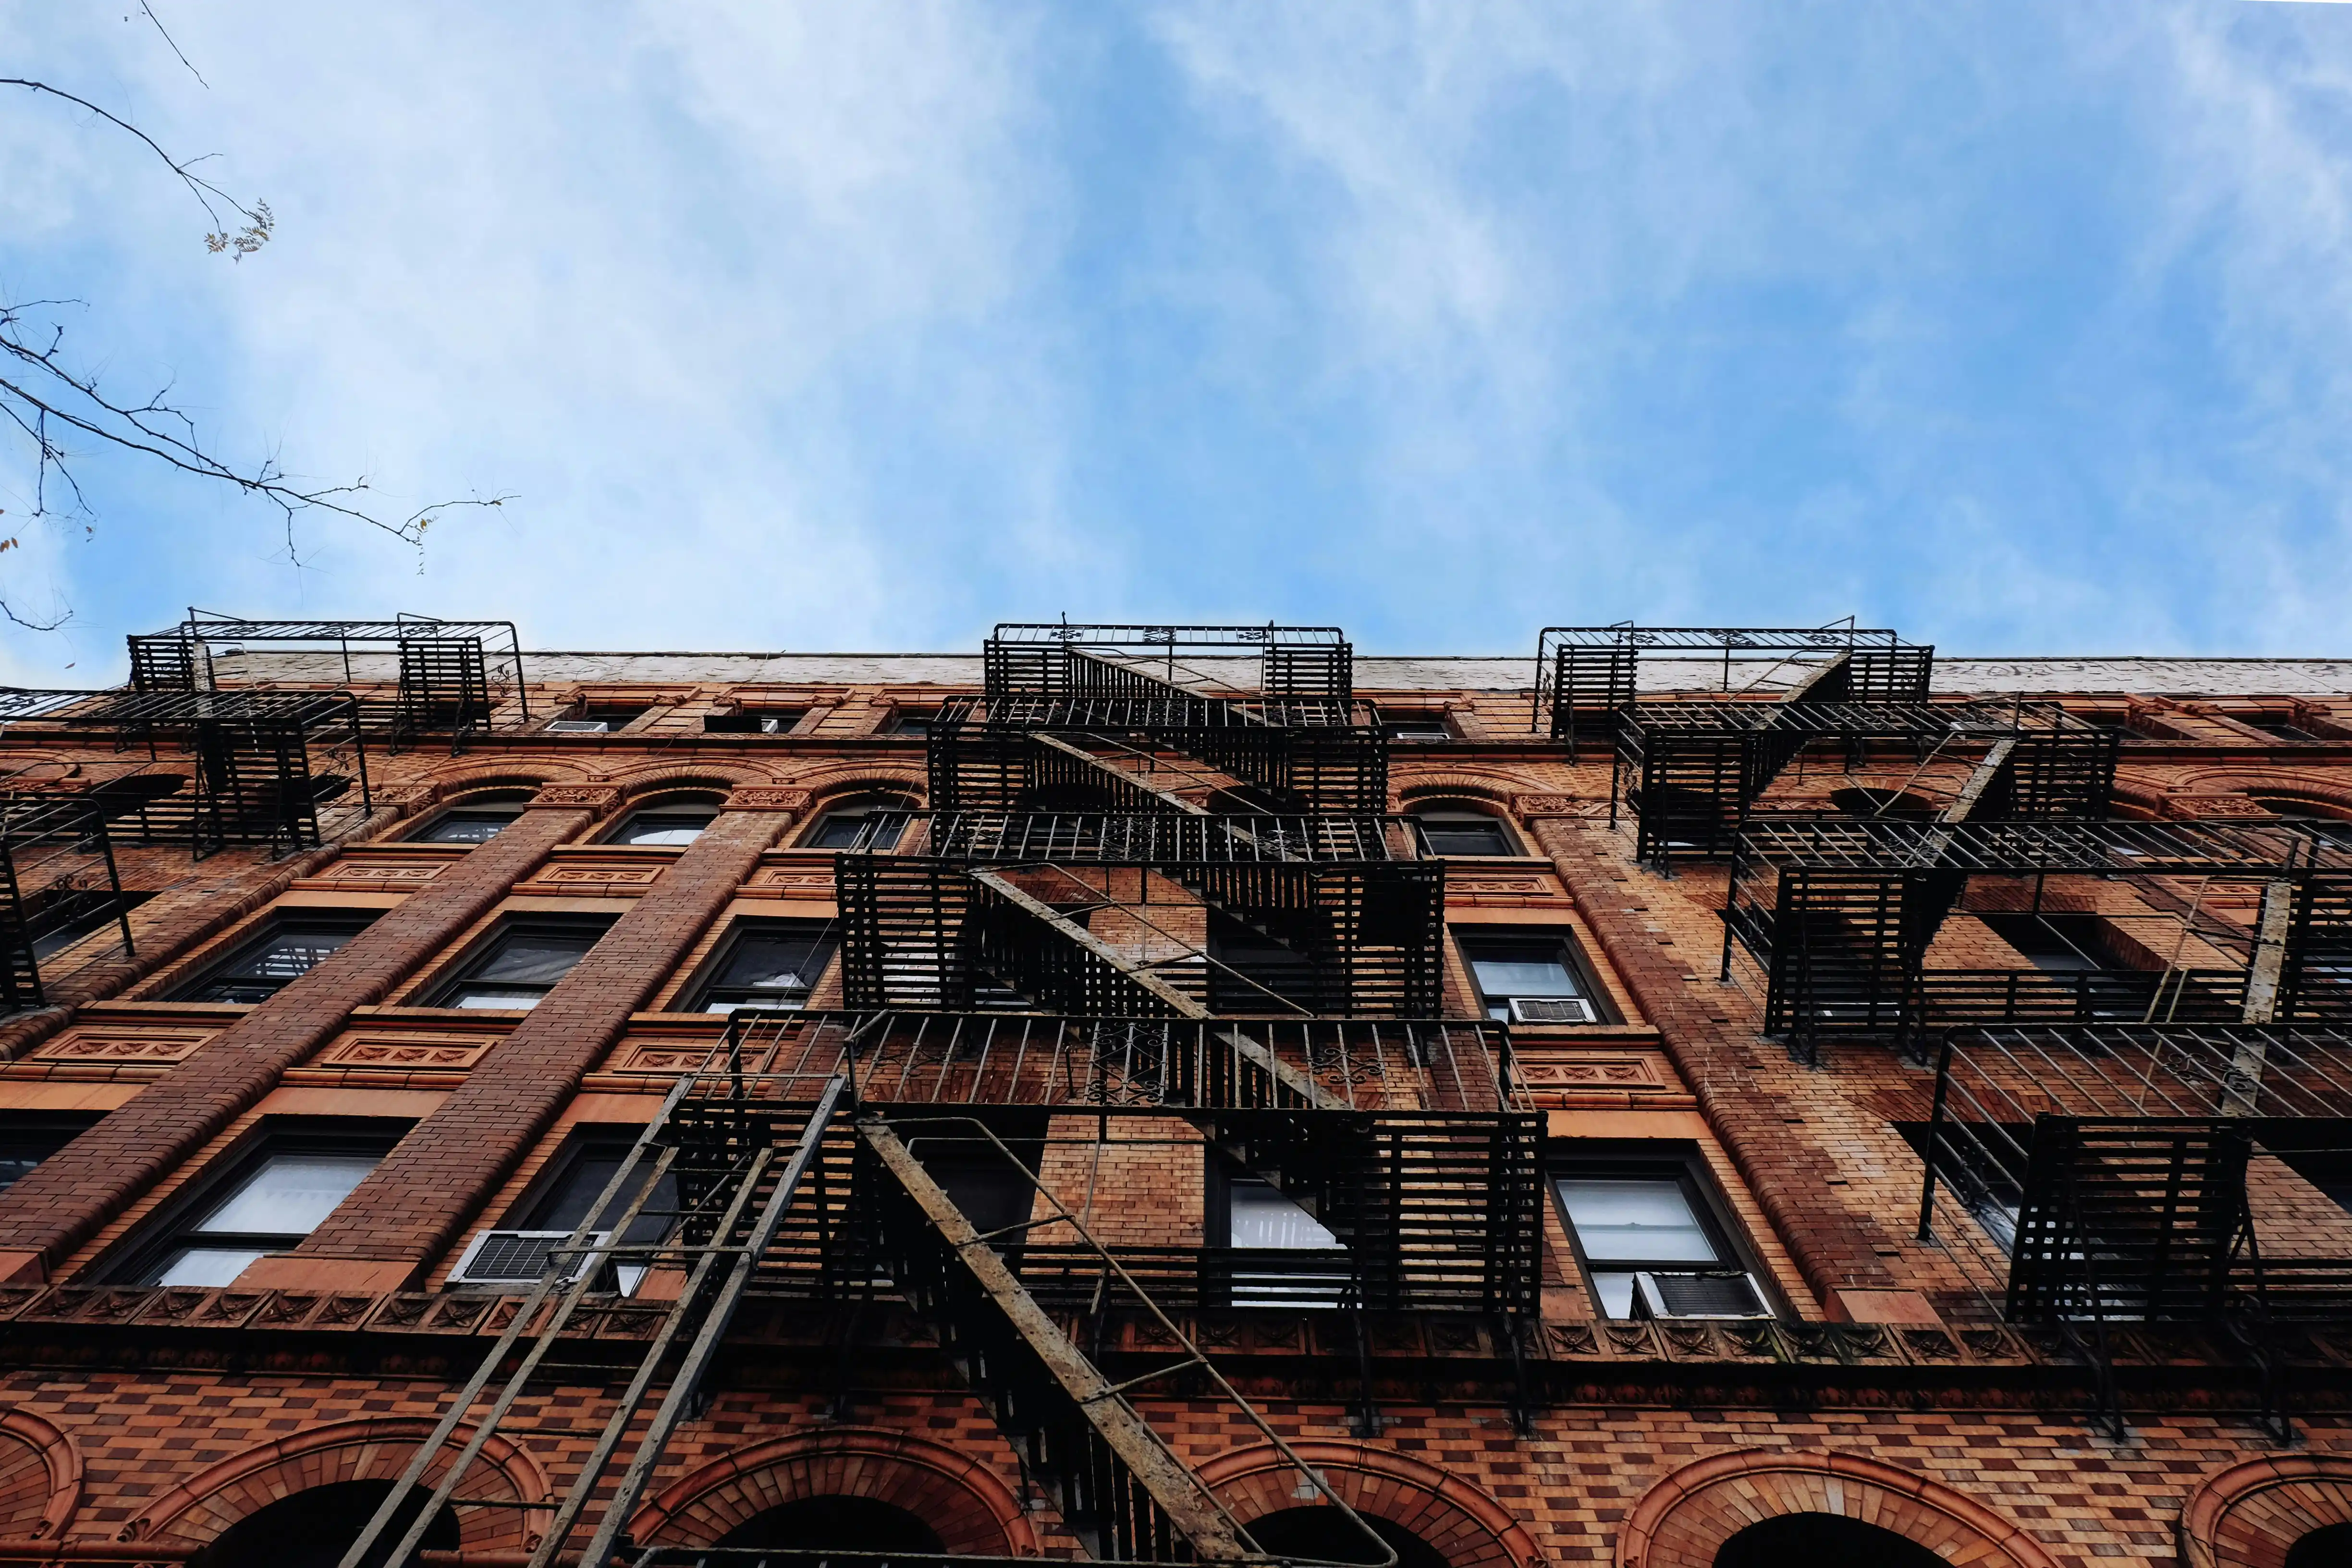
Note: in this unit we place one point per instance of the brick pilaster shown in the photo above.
(64, 1200)
(411, 1206)
(1745, 1087)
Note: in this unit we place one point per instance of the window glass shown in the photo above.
(566, 1203)
(521, 965)
(1260, 1219)
(77, 916)
(1504, 967)
(23, 1147)
(911, 724)
(262, 969)
(1462, 832)
(671, 826)
(289, 1194)
(1636, 1221)
(864, 828)
(277, 1203)
(1417, 727)
(769, 966)
(468, 824)
(1262, 1216)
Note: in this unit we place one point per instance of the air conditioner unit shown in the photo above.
(1552, 1010)
(578, 727)
(1716, 1294)
(519, 1258)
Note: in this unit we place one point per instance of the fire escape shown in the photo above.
(1156, 912)
(2101, 1178)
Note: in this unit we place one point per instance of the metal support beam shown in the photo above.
(1183, 1006)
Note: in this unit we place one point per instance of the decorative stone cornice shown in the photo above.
(1529, 806)
(595, 799)
(768, 797)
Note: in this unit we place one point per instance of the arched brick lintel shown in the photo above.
(207, 1504)
(830, 785)
(1468, 1528)
(39, 1492)
(2250, 1515)
(1496, 789)
(959, 1497)
(1682, 1521)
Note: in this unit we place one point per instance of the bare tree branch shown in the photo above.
(257, 220)
(175, 45)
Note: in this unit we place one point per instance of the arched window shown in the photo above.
(313, 1529)
(473, 819)
(1454, 830)
(1821, 1540)
(2321, 820)
(1321, 1532)
(665, 824)
(872, 824)
(834, 1523)
(2326, 1547)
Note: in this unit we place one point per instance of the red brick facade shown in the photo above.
(132, 1415)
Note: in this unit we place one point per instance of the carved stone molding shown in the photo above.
(766, 797)
(595, 798)
(1530, 805)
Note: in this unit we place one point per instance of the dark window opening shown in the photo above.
(834, 1523)
(1462, 832)
(1417, 728)
(2306, 815)
(294, 945)
(918, 725)
(27, 1138)
(1649, 1241)
(2329, 1546)
(1889, 805)
(1529, 977)
(76, 913)
(871, 828)
(521, 964)
(767, 963)
(754, 721)
(664, 827)
(1821, 1540)
(2285, 729)
(268, 1203)
(1250, 972)
(1319, 1534)
(313, 1529)
(475, 821)
(1984, 1163)
(2329, 1170)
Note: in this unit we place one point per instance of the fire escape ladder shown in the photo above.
(445, 684)
(1118, 1485)
(738, 1179)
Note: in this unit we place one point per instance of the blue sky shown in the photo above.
(2024, 327)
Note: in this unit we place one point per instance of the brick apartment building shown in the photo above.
(1175, 1094)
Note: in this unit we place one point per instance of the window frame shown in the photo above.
(151, 1247)
(1514, 846)
(1624, 1158)
(1573, 960)
(695, 996)
(1320, 1288)
(865, 807)
(1425, 721)
(756, 721)
(48, 1131)
(663, 806)
(508, 806)
(484, 949)
(279, 921)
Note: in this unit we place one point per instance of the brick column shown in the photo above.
(411, 1208)
(69, 1196)
(1734, 1075)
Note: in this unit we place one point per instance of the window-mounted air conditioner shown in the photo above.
(1721, 1293)
(521, 1257)
(578, 727)
(1552, 1010)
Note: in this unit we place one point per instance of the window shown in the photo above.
(1460, 831)
(548, 1215)
(1250, 972)
(767, 963)
(754, 721)
(599, 719)
(1260, 1223)
(270, 1202)
(1529, 977)
(905, 723)
(294, 945)
(29, 1138)
(664, 825)
(1417, 728)
(78, 913)
(2304, 815)
(1650, 1243)
(872, 827)
(473, 821)
(520, 965)
(2283, 728)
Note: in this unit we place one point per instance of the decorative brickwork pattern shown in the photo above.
(2252, 1515)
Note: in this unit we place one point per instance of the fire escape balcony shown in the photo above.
(1170, 914)
(2206, 923)
(2096, 1176)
